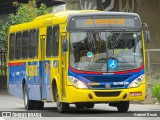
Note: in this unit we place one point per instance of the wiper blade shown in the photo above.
(91, 40)
(119, 38)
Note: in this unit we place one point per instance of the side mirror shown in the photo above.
(147, 36)
(65, 45)
(146, 32)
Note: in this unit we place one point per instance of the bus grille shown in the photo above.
(106, 78)
(107, 94)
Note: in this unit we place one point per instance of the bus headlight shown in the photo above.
(137, 82)
(77, 83)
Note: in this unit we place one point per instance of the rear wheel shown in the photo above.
(29, 104)
(39, 105)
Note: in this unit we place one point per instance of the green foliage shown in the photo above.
(25, 13)
(4, 27)
(156, 92)
(42, 10)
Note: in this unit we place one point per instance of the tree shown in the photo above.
(4, 27)
(25, 13)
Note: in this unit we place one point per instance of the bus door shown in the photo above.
(63, 67)
(42, 79)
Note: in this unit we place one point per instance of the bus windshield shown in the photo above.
(90, 50)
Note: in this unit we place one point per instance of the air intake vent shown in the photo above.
(107, 94)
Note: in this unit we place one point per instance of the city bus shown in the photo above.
(78, 57)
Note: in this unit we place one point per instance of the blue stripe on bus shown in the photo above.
(107, 79)
(18, 73)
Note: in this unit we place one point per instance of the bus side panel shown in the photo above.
(33, 70)
(46, 79)
(16, 74)
(37, 78)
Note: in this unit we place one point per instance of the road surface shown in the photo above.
(9, 103)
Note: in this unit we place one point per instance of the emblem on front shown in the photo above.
(108, 86)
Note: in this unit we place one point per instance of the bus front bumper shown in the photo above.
(74, 95)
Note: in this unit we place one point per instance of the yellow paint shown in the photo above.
(31, 70)
(81, 95)
(72, 94)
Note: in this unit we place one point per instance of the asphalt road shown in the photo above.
(13, 104)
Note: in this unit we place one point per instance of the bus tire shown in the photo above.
(79, 106)
(84, 105)
(29, 104)
(61, 106)
(123, 106)
(90, 105)
(39, 105)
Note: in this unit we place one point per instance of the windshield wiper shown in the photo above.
(119, 38)
(92, 45)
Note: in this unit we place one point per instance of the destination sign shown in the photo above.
(104, 22)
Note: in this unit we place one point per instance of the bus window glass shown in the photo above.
(92, 53)
(18, 46)
(36, 33)
(25, 41)
(49, 41)
(55, 41)
(33, 44)
(12, 46)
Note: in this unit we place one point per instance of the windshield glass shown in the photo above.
(105, 51)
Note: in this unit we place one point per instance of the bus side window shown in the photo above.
(33, 44)
(25, 44)
(49, 41)
(55, 43)
(12, 46)
(18, 46)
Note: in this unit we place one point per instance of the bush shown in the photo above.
(156, 92)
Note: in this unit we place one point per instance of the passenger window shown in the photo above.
(49, 41)
(18, 46)
(33, 44)
(25, 44)
(12, 46)
(55, 43)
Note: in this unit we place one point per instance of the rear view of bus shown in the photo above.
(106, 59)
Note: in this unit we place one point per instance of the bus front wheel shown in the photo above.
(61, 106)
(84, 105)
(123, 106)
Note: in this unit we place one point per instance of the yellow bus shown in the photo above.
(78, 57)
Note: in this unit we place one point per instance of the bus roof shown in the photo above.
(61, 17)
